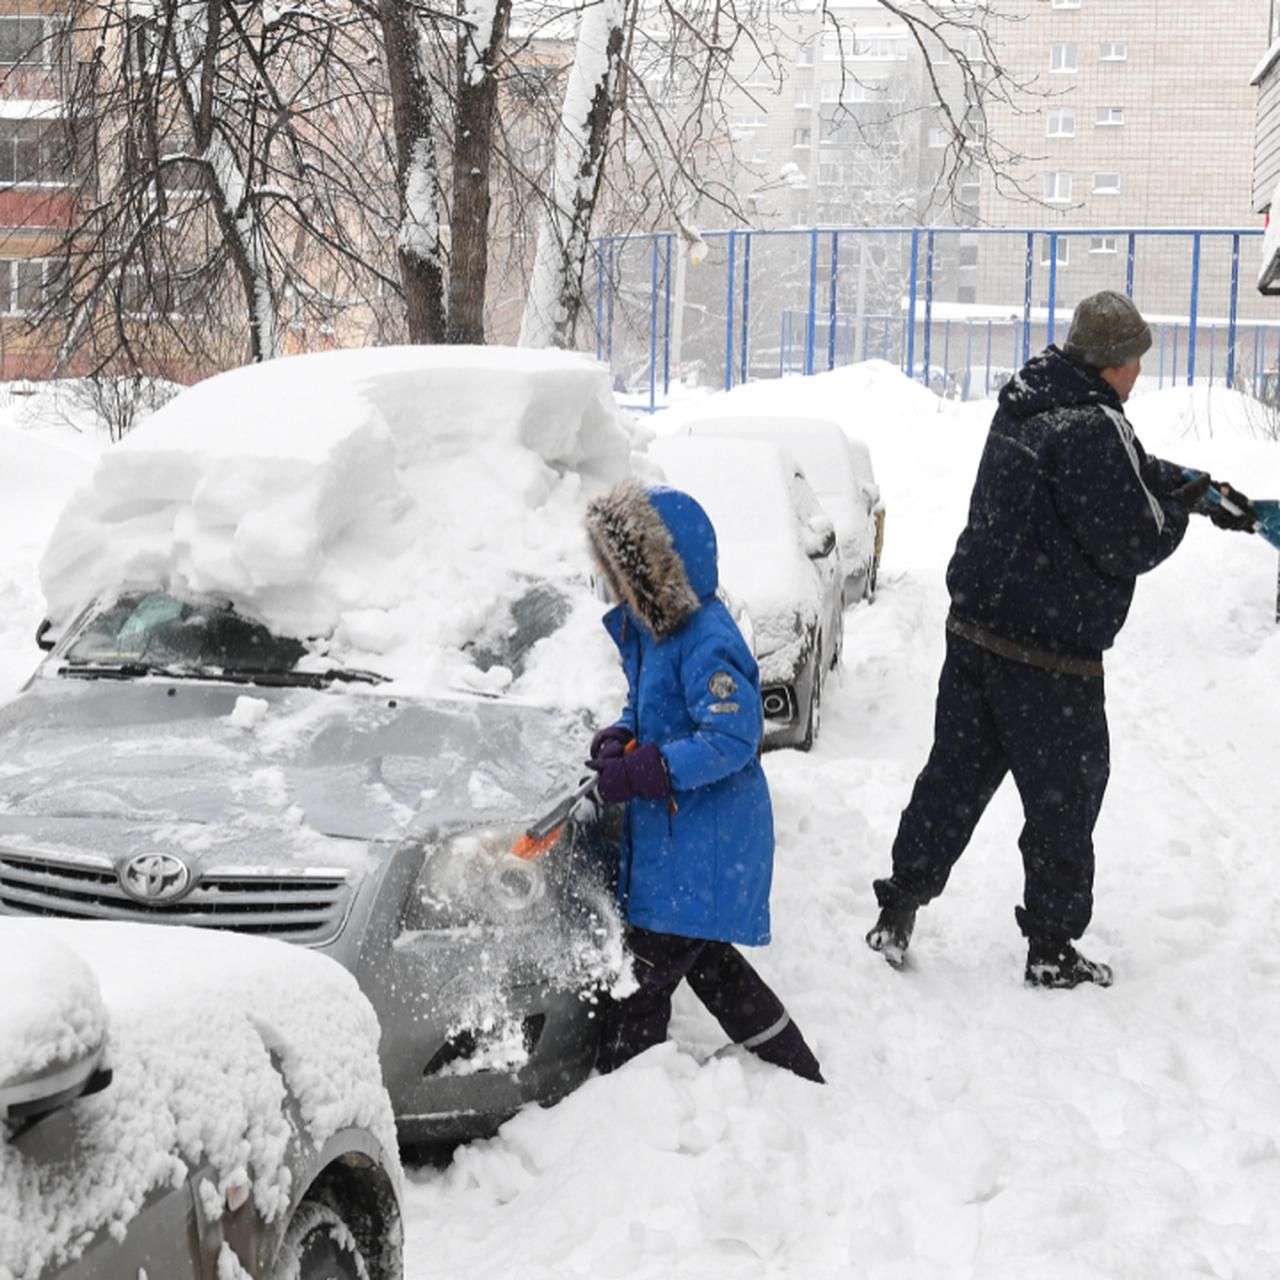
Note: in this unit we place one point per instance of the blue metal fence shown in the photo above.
(958, 309)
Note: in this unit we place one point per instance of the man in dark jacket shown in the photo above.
(1067, 510)
(697, 855)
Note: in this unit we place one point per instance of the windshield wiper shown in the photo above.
(305, 679)
(84, 670)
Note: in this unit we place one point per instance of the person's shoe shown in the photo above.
(891, 934)
(1055, 964)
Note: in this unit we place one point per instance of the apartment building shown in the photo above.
(37, 197)
(1136, 115)
(1266, 153)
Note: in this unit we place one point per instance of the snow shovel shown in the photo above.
(1266, 511)
(544, 833)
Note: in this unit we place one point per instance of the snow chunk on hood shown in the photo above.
(386, 498)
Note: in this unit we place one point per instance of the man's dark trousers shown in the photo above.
(996, 715)
(739, 998)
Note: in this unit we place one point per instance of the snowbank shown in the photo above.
(194, 1019)
(388, 500)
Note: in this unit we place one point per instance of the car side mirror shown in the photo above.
(43, 639)
(820, 542)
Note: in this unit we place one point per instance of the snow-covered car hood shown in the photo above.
(294, 776)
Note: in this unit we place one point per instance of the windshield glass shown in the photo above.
(152, 629)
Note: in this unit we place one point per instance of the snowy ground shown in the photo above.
(971, 1128)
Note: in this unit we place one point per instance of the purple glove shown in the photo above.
(609, 744)
(640, 773)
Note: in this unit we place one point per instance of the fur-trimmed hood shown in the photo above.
(657, 550)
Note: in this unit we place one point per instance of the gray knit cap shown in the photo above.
(1107, 330)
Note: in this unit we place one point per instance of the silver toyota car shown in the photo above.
(170, 762)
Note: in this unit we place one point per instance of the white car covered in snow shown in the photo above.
(778, 558)
(838, 467)
(176, 1104)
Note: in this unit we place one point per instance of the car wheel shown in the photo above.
(813, 721)
(319, 1246)
(873, 572)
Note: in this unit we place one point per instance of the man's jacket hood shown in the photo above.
(657, 548)
(1052, 380)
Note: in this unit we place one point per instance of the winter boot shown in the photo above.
(1054, 963)
(891, 933)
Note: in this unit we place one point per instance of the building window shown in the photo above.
(1064, 4)
(1109, 117)
(1102, 244)
(32, 151)
(1062, 124)
(749, 120)
(1113, 51)
(940, 55)
(801, 137)
(831, 91)
(29, 42)
(1057, 187)
(804, 96)
(873, 91)
(1063, 251)
(27, 283)
(1106, 184)
(804, 56)
(968, 255)
(882, 48)
(939, 137)
(1273, 31)
(163, 295)
(1064, 57)
(967, 293)
(828, 174)
(760, 77)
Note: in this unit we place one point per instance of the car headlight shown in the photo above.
(473, 878)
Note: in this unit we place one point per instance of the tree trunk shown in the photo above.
(555, 293)
(418, 246)
(478, 48)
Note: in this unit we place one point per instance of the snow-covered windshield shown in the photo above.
(151, 629)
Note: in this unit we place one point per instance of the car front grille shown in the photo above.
(307, 906)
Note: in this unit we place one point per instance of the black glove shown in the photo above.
(1243, 520)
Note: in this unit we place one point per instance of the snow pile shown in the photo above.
(388, 500)
(195, 1017)
(53, 1017)
(970, 1127)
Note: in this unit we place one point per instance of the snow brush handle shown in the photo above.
(546, 831)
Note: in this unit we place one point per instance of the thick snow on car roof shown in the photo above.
(195, 1017)
(387, 498)
(742, 484)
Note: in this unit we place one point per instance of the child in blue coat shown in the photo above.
(697, 849)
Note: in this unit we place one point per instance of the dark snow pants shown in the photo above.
(742, 1003)
(995, 716)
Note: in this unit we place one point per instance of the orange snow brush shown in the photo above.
(546, 831)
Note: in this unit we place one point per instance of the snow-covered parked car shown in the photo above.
(186, 1104)
(319, 648)
(838, 467)
(778, 557)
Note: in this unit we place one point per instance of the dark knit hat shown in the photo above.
(1107, 330)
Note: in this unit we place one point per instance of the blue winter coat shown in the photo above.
(1066, 511)
(701, 864)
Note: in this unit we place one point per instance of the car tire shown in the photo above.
(319, 1246)
(873, 572)
(813, 720)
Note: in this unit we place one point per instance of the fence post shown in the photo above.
(728, 316)
(928, 307)
(1026, 298)
(1231, 314)
(986, 379)
(911, 303)
(609, 313)
(1128, 269)
(1053, 283)
(1195, 304)
(968, 355)
(599, 301)
(653, 326)
(831, 321)
(813, 302)
(746, 301)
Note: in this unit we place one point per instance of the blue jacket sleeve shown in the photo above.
(1112, 498)
(727, 725)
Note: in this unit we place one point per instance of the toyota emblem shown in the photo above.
(155, 877)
